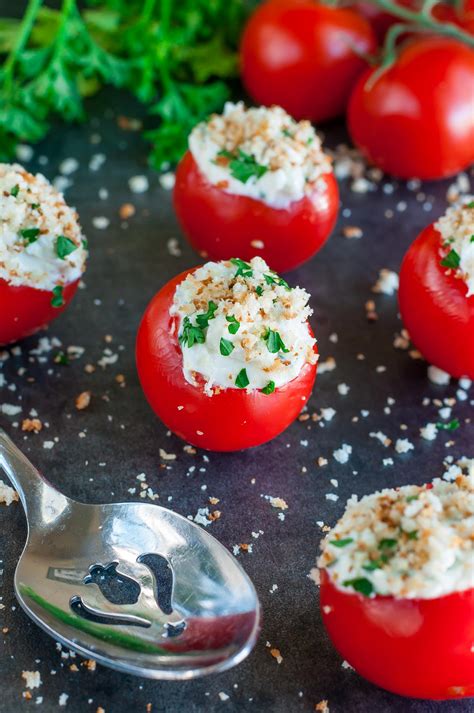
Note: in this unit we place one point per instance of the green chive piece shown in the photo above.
(269, 388)
(64, 246)
(342, 542)
(387, 543)
(361, 585)
(30, 235)
(233, 324)
(57, 299)
(274, 342)
(452, 260)
(226, 347)
(242, 380)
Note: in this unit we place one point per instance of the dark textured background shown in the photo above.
(127, 266)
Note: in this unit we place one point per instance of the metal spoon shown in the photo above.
(133, 585)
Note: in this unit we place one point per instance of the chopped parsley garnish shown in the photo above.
(61, 358)
(375, 564)
(34, 206)
(411, 498)
(276, 280)
(269, 388)
(85, 243)
(64, 246)
(243, 166)
(226, 347)
(361, 585)
(191, 335)
(413, 535)
(233, 324)
(452, 260)
(15, 191)
(472, 239)
(287, 133)
(57, 299)
(387, 543)
(274, 342)
(244, 268)
(451, 426)
(469, 205)
(242, 380)
(343, 542)
(30, 235)
(259, 290)
(203, 319)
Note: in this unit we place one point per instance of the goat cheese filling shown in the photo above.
(41, 242)
(456, 228)
(412, 542)
(241, 326)
(262, 153)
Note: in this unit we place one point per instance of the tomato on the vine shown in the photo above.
(304, 56)
(416, 118)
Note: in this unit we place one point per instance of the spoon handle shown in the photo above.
(33, 489)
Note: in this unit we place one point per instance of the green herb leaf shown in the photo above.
(30, 235)
(375, 564)
(413, 535)
(233, 324)
(274, 342)
(243, 166)
(15, 191)
(64, 246)
(471, 239)
(242, 380)
(269, 388)
(360, 584)
(450, 426)
(411, 498)
(203, 319)
(387, 543)
(226, 347)
(244, 268)
(61, 358)
(259, 290)
(469, 205)
(57, 299)
(276, 280)
(85, 243)
(190, 334)
(452, 260)
(343, 542)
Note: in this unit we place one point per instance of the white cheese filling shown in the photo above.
(256, 335)
(413, 542)
(262, 153)
(456, 227)
(41, 243)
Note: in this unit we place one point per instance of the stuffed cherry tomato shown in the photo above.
(436, 292)
(256, 182)
(304, 56)
(225, 354)
(42, 253)
(416, 118)
(397, 593)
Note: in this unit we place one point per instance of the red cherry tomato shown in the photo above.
(435, 308)
(220, 225)
(230, 420)
(417, 118)
(414, 647)
(24, 310)
(304, 56)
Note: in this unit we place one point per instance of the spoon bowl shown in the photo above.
(132, 585)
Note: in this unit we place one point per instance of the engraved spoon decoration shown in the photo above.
(132, 585)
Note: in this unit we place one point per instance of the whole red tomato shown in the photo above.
(24, 310)
(435, 308)
(304, 56)
(413, 647)
(220, 225)
(417, 119)
(229, 420)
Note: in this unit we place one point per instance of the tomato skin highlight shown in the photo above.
(300, 55)
(230, 420)
(417, 119)
(24, 310)
(222, 225)
(435, 308)
(419, 648)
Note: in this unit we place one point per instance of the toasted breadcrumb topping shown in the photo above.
(456, 227)
(41, 242)
(410, 542)
(260, 152)
(240, 322)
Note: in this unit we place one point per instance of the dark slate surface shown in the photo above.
(127, 265)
